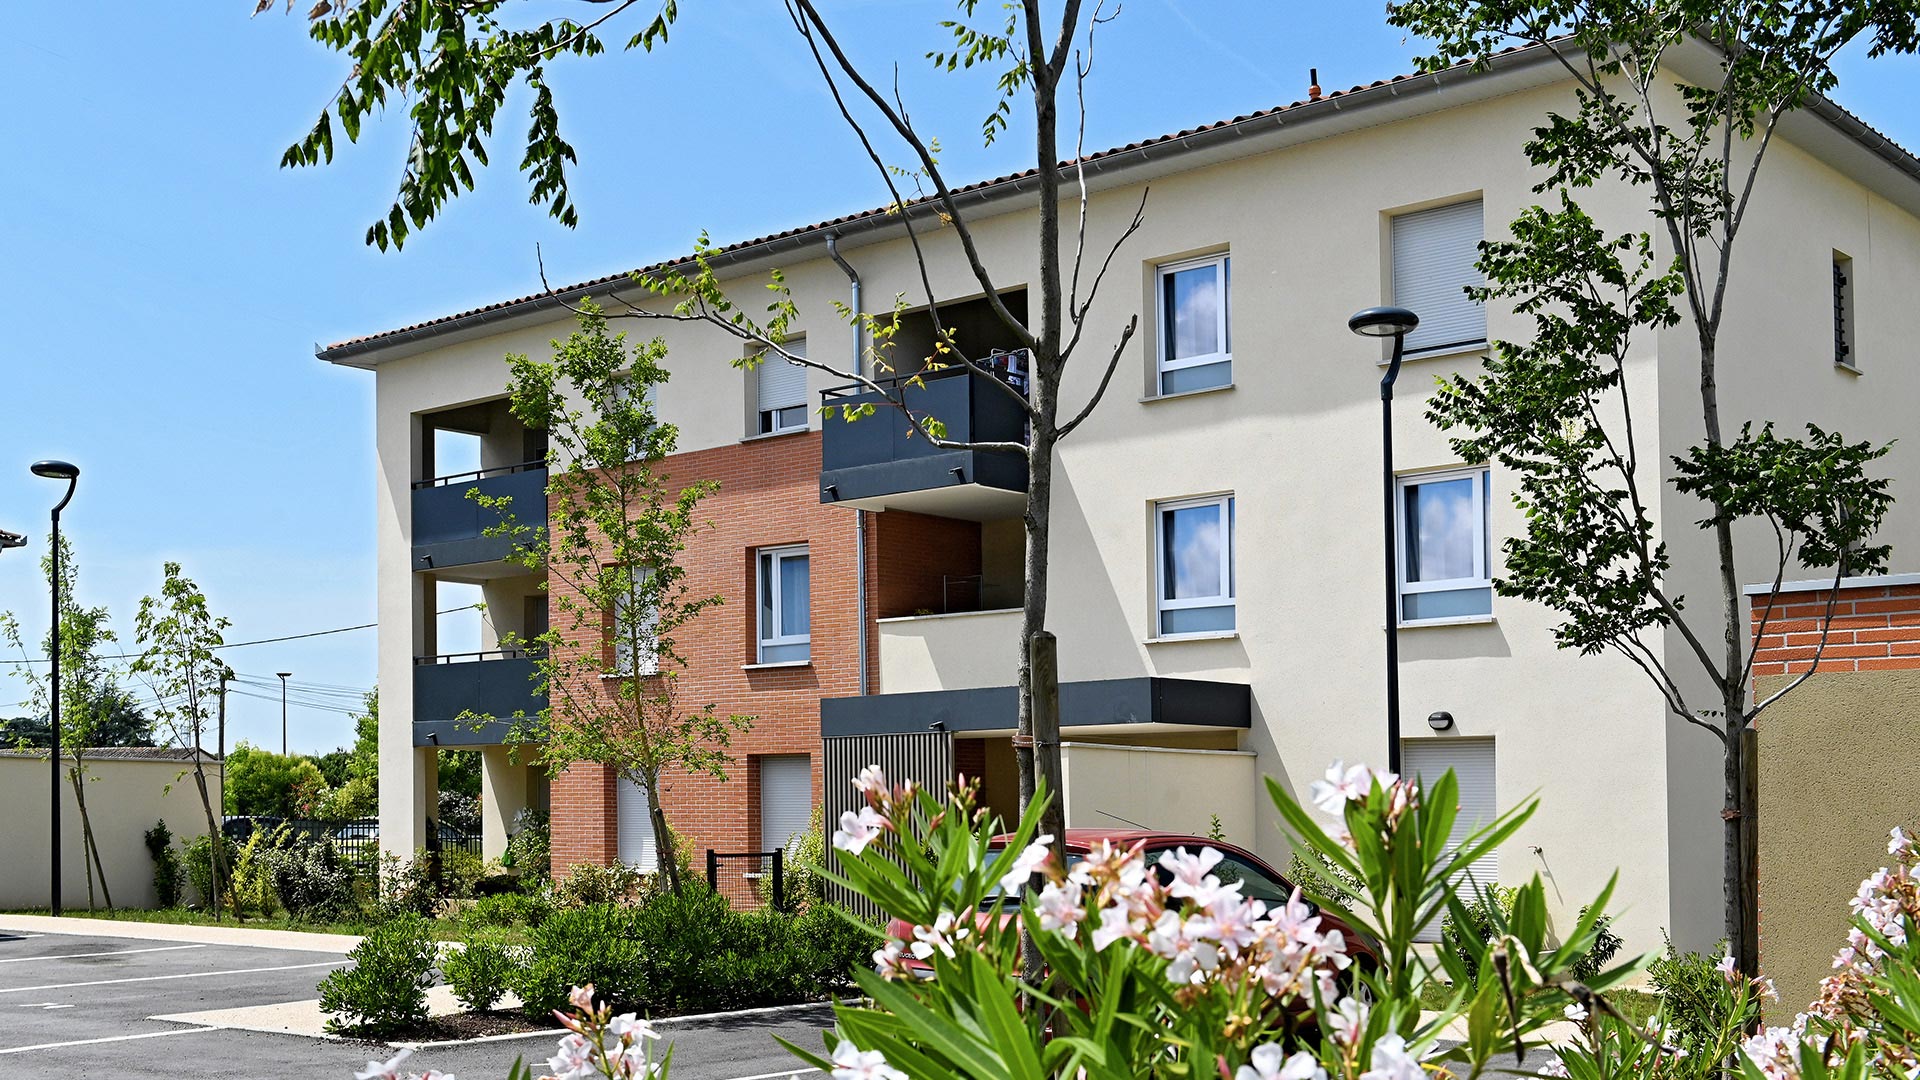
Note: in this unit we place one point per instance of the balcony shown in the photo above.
(949, 652)
(880, 462)
(449, 528)
(495, 683)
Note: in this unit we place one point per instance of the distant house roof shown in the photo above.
(126, 753)
(1191, 141)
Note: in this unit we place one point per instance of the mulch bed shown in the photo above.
(473, 1026)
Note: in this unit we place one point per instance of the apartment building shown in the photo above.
(1216, 542)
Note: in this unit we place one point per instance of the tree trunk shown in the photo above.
(94, 869)
(215, 838)
(664, 853)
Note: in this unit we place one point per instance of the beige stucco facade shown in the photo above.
(1304, 210)
(127, 793)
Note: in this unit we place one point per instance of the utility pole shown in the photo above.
(226, 673)
(284, 676)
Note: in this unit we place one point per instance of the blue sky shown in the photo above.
(163, 281)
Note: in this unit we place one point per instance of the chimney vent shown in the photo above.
(1313, 84)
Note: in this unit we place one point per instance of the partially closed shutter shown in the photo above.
(782, 384)
(635, 827)
(786, 799)
(1434, 252)
(1472, 763)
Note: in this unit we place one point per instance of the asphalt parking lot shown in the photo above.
(78, 1005)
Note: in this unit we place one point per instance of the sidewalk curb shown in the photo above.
(295, 940)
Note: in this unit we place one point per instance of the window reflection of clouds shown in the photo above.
(1195, 306)
(1196, 552)
(1446, 530)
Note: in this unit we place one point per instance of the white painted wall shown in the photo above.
(1180, 791)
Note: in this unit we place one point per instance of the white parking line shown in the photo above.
(80, 955)
(105, 1039)
(781, 1073)
(159, 978)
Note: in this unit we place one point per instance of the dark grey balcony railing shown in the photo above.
(449, 528)
(496, 682)
(882, 455)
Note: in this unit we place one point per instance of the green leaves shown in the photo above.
(1815, 489)
(454, 62)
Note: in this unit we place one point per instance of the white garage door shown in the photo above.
(786, 799)
(635, 829)
(1472, 763)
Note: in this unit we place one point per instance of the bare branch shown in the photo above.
(1113, 362)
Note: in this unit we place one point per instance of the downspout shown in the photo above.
(859, 516)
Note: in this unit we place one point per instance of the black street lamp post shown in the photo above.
(55, 470)
(284, 675)
(1397, 323)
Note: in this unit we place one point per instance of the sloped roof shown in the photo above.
(1176, 142)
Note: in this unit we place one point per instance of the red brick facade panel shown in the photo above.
(768, 496)
(1868, 628)
(923, 564)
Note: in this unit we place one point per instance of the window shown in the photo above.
(780, 391)
(1196, 342)
(1843, 352)
(1444, 552)
(1434, 252)
(785, 606)
(1472, 763)
(623, 634)
(649, 399)
(633, 828)
(786, 799)
(1196, 566)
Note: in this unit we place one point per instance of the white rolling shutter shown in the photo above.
(635, 829)
(782, 384)
(1472, 763)
(786, 799)
(1433, 262)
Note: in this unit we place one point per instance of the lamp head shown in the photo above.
(55, 470)
(284, 674)
(1383, 322)
(11, 540)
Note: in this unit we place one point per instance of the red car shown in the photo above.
(1258, 880)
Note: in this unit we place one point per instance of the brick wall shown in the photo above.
(1873, 627)
(768, 496)
(911, 555)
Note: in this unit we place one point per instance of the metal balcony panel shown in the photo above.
(443, 691)
(449, 528)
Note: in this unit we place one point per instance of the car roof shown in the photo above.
(1083, 839)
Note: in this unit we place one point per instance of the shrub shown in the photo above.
(1480, 925)
(1323, 879)
(481, 972)
(831, 946)
(509, 909)
(590, 883)
(386, 988)
(406, 887)
(800, 869)
(460, 871)
(1697, 1005)
(1605, 944)
(530, 848)
(166, 864)
(575, 946)
(252, 885)
(311, 878)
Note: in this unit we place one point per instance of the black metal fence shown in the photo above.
(763, 879)
(357, 839)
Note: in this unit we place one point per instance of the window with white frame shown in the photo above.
(785, 606)
(649, 398)
(1196, 342)
(1434, 257)
(1195, 549)
(780, 390)
(631, 640)
(1445, 554)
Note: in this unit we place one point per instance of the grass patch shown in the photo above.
(1636, 1005)
(442, 929)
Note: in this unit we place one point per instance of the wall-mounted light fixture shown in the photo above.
(1440, 721)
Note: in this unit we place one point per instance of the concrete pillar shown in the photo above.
(403, 597)
(503, 794)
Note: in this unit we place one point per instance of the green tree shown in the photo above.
(456, 60)
(263, 783)
(178, 634)
(611, 552)
(1555, 410)
(95, 710)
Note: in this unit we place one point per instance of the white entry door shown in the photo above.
(786, 798)
(635, 828)
(1472, 763)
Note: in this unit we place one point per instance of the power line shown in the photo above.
(261, 641)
